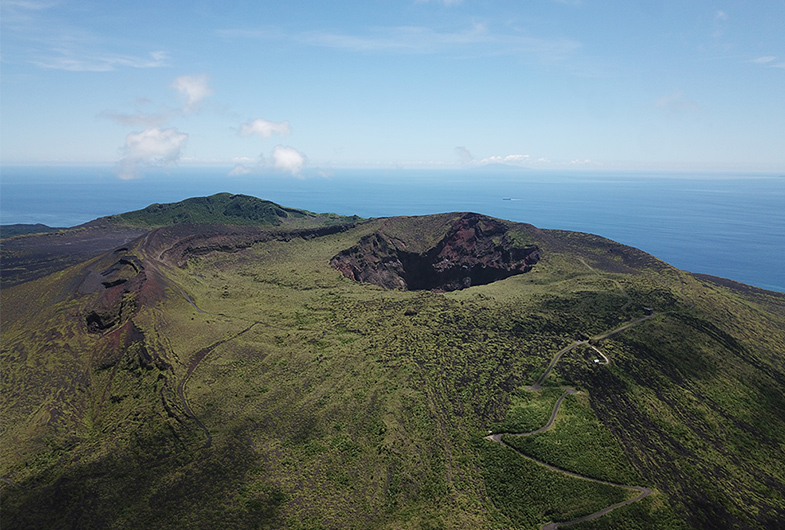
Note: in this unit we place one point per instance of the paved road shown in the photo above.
(497, 437)
(597, 338)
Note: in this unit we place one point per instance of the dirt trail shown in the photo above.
(195, 361)
(153, 263)
(497, 437)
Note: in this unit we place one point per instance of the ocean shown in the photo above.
(726, 224)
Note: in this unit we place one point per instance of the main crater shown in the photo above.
(475, 250)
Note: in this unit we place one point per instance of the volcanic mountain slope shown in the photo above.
(328, 372)
(33, 256)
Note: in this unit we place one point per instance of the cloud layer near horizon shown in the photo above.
(283, 158)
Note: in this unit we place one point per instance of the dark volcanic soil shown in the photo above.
(474, 251)
(178, 243)
(34, 256)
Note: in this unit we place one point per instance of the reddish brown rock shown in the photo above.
(476, 250)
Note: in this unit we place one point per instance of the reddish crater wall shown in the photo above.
(475, 251)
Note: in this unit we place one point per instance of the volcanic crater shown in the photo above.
(476, 250)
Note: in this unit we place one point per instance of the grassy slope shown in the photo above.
(579, 443)
(347, 405)
(221, 208)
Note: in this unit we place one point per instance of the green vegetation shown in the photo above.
(529, 410)
(531, 495)
(221, 208)
(259, 388)
(579, 443)
(651, 513)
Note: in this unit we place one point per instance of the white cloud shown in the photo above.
(676, 102)
(769, 61)
(239, 169)
(28, 4)
(289, 159)
(424, 40)
(409, 39)
(264, 128)
(282, 158)
(151, 147)
(720, 24)
(93, 62)
(194, 88)
(137, 118)
(509, 159)
(156, 146)
(516, 158)
(42, 36)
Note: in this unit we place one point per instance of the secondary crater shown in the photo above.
(476, 250)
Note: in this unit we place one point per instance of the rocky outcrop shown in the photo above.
(117, 284)
(476, 250)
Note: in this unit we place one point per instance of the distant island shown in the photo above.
(21, 229)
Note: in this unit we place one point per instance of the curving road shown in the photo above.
(597, 338)
(497, 437)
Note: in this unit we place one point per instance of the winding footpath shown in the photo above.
(497, 437)
(195, 361)
(200, 355)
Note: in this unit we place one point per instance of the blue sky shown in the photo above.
(310, 85)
